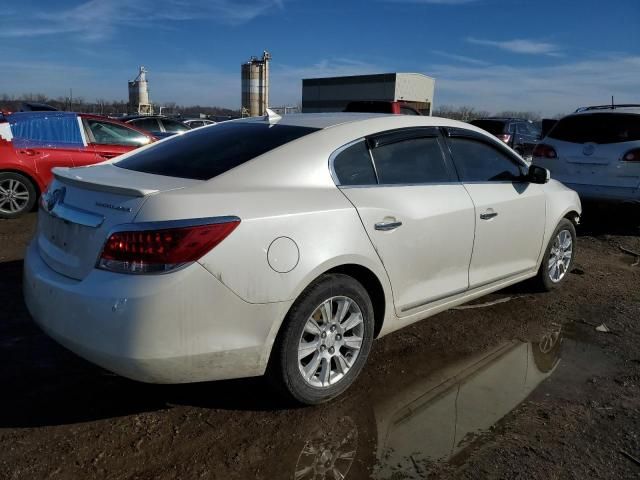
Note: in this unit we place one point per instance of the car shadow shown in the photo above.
(45, 384)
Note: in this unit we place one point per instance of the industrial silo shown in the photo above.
(255, 85)
(139, 94)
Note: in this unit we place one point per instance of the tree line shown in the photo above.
(13, 103)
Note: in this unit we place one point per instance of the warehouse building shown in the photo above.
(334, 93)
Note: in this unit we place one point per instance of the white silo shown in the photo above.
(139, 94)
(255, 85)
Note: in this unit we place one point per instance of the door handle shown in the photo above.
(108, 155)
(488, 215)
(386, 226)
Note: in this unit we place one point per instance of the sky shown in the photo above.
(545, 56)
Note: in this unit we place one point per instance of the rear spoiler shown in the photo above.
(75, 177)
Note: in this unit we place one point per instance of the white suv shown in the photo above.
(596, 152)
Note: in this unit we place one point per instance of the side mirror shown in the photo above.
(538, 174)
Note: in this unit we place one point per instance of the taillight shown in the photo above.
(545, 151)
(632, 155)
(161, 250)
(505, 137)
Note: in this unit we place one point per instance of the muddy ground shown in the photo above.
(526, 388)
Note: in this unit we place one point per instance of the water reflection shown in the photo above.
(434, 418)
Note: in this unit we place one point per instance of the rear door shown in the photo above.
(418, 217)
(509, 212)
(108, 139)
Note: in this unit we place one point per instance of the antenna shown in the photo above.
(613, 105)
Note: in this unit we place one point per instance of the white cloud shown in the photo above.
(526, 46)
(545, 89)
(461, 58)
(97, 19)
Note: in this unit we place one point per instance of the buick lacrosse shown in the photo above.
(285, 245)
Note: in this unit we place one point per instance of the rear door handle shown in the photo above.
(385, 226)
(488, 215)
(108, 155)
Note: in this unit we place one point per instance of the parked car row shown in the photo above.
(35, 141)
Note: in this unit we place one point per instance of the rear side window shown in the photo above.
(479, 162)
(46, 129)
(208, 152)
(353, 166)
(597, 128)
(417, 160)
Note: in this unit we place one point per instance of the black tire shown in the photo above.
(284, 371)
(24, 186)
(543, 279)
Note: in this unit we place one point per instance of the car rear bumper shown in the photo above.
(606, 193)
(175, 328)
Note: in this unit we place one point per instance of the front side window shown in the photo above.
(353, 166)
(107, 133)
(208, 152)
(477, 161)
(416, 160)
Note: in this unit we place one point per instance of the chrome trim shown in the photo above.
(488, 216)
(422, 303)
(52, 203)
(167, 224)
(387, 226)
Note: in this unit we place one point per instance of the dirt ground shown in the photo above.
(526, 388)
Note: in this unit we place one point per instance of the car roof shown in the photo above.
(332, 119)
(606, 110)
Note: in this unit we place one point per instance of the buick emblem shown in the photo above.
(589, 148)
(53, 198)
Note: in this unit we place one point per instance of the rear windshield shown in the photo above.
(494, 127)
(208, 152)
(598, 128)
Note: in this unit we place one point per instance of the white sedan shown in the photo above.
(286, 245)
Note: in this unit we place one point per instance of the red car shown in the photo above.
(32, 143)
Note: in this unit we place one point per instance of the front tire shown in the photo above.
(324, 341)
(17, 195)
(558, 256)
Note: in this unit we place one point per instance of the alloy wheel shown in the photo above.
(560, 256)
(330, 342)
(14, 196)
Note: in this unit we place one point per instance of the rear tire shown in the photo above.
(559, 257)
(17, 195)
(324, 342)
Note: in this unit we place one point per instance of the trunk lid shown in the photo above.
(596, 164)
(81, 207)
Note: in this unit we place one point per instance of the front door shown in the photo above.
(510, 212)
(418, 217)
